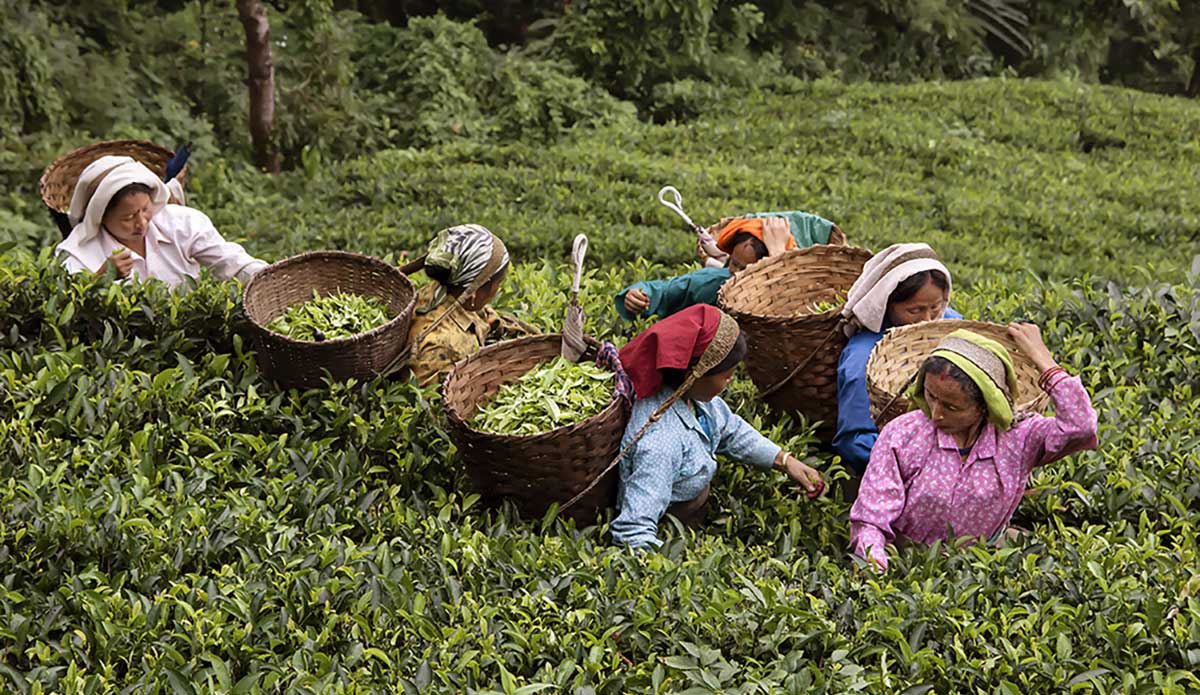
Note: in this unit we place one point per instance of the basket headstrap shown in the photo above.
(578, 251)
(573, 345)
(717, 350)
(837, 328)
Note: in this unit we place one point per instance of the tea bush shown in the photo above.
(171, 522)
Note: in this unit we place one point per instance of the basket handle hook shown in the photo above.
(675, 205)
(578, 252)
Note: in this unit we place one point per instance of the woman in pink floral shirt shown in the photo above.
(958, 466)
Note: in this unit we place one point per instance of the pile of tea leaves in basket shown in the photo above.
(828, 302)
(335, 315)
(556, 394)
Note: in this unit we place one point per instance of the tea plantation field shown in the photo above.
(170, 522)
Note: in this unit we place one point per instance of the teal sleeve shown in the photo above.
(659, 292)
(677, 293)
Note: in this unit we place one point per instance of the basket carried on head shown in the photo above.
(534, 470)
(793, 346)
(57, 184)
(899, 354)
(292, 281)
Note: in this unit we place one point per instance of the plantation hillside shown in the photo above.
(171, 522)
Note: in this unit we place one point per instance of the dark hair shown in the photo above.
(760, 249)
(125, 191)
(942, 366)
(442, 275)
(438, 274)
(909, 286)
(674, 377)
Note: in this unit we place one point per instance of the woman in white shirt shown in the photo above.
(122, 219)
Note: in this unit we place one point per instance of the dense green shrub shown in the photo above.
(169, 521)
(989, 172)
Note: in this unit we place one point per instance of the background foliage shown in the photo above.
(170, 522)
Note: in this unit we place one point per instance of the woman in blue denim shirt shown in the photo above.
(679, 366)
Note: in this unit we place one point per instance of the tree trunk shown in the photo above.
(1193, 88)
(261, 82)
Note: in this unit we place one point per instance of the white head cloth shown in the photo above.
(96, 187)
(866, 304)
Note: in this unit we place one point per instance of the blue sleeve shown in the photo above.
(856, 431)
(951, 314)
(740, 440)
(646, 485)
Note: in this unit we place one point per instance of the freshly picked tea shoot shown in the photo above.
(556, 394)
(832, 301)
(336, 315)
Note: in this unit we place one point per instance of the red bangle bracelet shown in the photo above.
(1048, 376)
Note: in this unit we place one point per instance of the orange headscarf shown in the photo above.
(751, 226)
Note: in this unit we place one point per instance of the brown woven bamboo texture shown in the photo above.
(774, 302)
(899, 354)
(302, 364)
(57, 184)
(537, 470)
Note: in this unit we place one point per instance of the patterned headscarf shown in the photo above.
(987, 363)
(471, 254)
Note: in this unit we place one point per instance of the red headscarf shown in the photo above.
(669, 344)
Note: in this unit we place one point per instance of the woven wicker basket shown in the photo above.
(535, 470)
(773, 301)
(57, 184)
(899, 354)
(297, 363)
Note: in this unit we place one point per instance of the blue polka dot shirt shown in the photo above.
(676, 459)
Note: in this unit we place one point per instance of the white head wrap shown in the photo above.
(97, 185)
(866, 304)
(99, 182)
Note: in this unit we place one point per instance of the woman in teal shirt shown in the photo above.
(745, 240)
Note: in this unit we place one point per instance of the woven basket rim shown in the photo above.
(452, 409)
(63, 159)
(938, 327)
(310, 256)
(766, 265)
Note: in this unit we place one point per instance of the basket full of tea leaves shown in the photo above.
(534, 428)
(556, 394)
(336, 315)
(327, 314)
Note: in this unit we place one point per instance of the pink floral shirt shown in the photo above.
(919, 487)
